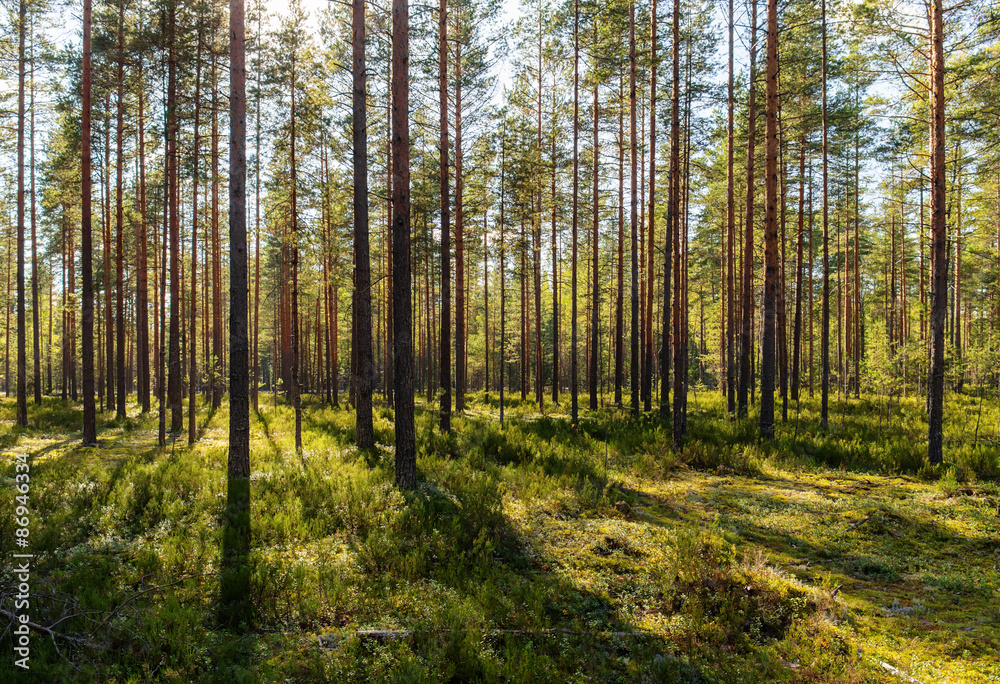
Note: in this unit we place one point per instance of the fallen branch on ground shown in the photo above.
(899, 673)
(40, 628)
(858, 523)
(133, 597)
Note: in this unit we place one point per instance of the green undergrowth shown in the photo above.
(536, 551)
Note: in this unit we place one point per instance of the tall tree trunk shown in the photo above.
(294, 267)
(193, 364)
(825, 321)
(430, 310)
(811, 286)
(48, 345)
(318, 373)
(665, 348)
(64, 297)
(620, 277)
(365, 430)
(22, 360)
(555, 273)
(746, 339)
(525, 327)
(957, 283)
(86, 247)
(71, 317)
(119, 221)
(503, 266)
(255, 386)
(142, 284)
(771, 279)
(858, 351)
(782, 322)
(797, 332)
(923, 291)
(161, 316)
(461, 343)
(109, 320)
(634, 198)
(674, 230)
(217, 293)
(731, 234)
(575, 409)
(939, 263)
(334, 354)
(595, 245)
(6, 326)
(174, 361)
(390, 271)
(235, 583)
(685, 263)
(486, 311)
(326, 388)
(445, 368)
(536, 237)
(647, 364)
(891, 321)
(36, 327)
(406, 452)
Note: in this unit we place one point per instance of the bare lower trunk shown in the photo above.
(746, 339)
(174, 352)
(86, 248)
(365, 432)
(406, 452)
(634, 198)
(771, 280)
(461, 345)
(575, 408)
(595, 315)
(825, 321)
(193, 363)
(22, 360)
(119, 221)
(647, 364)
(445, 368)
(939, 263)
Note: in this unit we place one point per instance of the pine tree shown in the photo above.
(746, 340)
(939, 262)
(22, 363)
(86, 246)
(446, 331)
(771, 279)
(406, 453)
(365, 432)
(237, 608)
(119, 221)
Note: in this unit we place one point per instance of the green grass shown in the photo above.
(542, 551)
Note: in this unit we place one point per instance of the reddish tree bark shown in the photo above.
(406, 451)
(771, 280)
(364, 431)
(445, 369)
(746, 339)
(22, 360)
(939, 262)
(119, 221)
(86, 247)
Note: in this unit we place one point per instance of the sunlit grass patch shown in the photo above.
(541, 550)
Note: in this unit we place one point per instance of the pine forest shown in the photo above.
(500, 341)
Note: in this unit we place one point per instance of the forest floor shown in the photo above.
(542, 551)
